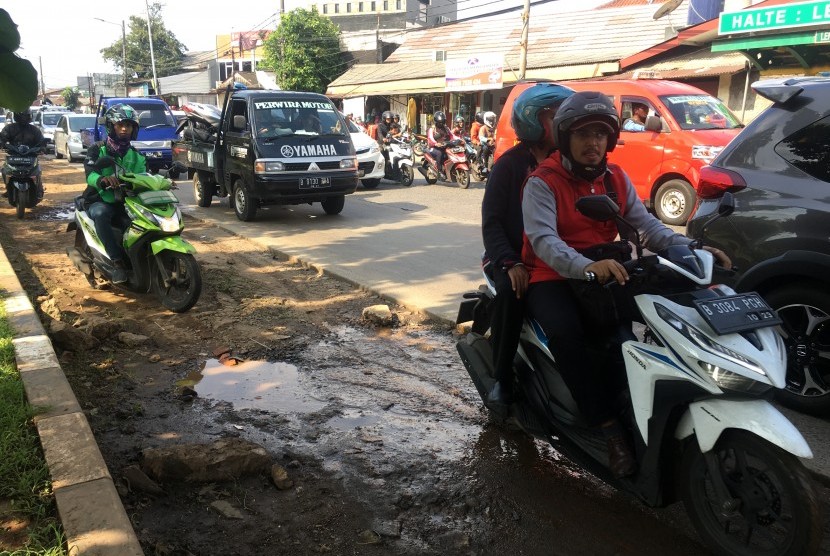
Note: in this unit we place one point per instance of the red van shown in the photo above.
(686, 128)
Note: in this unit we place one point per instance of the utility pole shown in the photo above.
(378, 44)
(42, 86)
(523, 44)
(124, 55)
(152, 56)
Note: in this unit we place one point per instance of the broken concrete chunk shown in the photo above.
(69, 338)
(378, 314)
(226, 510)
(280, 477)
(139, 482)
(222, 460)
(132, 340)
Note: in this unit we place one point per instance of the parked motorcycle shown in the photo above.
(696, 409)
(159, 260)
(455, 165)
(399, 164)
(21, 174)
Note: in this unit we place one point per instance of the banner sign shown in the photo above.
(784, 16)
(475, 73)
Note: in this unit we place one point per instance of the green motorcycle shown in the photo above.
(158, 259)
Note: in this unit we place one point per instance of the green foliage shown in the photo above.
(304, 51)
(167, 49)
(18, 78)
(71, 96)
(24, 478)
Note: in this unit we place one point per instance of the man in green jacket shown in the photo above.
(104, 208)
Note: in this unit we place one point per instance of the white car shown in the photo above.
(370, 161)
(67, 135)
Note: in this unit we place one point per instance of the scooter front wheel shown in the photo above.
(462, 176)
(22, 199)
(771, 507)
(177, 280)
(407, 175)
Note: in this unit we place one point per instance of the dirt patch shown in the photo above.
(347, 493)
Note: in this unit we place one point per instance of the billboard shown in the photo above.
(474, 73)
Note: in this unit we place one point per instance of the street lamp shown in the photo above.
(123, 50)
(152, 56)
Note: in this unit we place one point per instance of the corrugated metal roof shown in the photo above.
(555, 38)
(380, 73)
(703, 63)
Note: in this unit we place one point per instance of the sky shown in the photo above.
(65, 40)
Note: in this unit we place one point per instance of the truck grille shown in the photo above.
(303, 166)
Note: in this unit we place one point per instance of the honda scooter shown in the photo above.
(399, 164)
(157, 256)
(455, 165)
(695, 406)
(22, 177)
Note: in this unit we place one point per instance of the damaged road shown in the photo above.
(276, 417)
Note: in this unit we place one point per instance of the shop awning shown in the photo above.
(702, 63)
(394, 87)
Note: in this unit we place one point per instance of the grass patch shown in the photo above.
(28, 515)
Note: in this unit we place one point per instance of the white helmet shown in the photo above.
(490, 119)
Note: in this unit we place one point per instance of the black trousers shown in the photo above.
(506, 316)
(590, 360)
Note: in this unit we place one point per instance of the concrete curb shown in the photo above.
(93, 517)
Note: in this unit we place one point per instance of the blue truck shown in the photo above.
(156, 132)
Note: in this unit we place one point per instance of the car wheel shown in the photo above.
(244, 205)
(370, 183)
(334, 205)
(674, 202)
(805, 310)
(202, 192)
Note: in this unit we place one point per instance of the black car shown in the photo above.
(778, 169)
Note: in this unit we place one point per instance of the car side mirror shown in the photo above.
(654, 123)
(239, 122)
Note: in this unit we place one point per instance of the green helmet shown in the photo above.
(119, 113)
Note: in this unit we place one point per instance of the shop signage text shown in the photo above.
(475, 74)
(785, 16)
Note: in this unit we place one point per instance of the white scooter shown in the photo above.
(399, 165)
(702, 428)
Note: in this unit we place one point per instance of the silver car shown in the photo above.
(46, 120)
(67, 135)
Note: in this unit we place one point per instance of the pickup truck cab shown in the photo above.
(273, 148)
(685, 130)
(156, 129)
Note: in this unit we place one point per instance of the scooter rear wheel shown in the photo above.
(774, 508)
(180, 285)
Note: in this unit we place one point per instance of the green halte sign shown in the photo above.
(784, 16)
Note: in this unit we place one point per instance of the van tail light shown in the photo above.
(714, 182)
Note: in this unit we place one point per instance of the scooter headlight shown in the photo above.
(705, 342)
(728, 380)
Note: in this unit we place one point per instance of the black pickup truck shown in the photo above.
(270, 148)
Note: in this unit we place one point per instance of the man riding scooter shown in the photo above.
(22, 132)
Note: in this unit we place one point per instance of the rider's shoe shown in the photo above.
(119, 273)
(442, 176)
(500, 395)
(621, 460)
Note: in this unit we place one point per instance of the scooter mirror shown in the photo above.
(598, 207)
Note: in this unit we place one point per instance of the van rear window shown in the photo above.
(281, 118)
(700, 112)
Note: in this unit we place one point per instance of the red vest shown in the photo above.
(576, 230)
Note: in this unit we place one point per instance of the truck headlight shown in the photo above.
(348, 164)
(264, 166)
(705, 153)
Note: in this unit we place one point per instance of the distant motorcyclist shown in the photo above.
(458, 127)
(22, 132)
(487, 137)
(396, 118)
(437, 137)
(104, 208)
(478, 121)
(384, 127)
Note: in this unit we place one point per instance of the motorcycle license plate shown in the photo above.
(737, 313)
(313, 183)
(20, 159)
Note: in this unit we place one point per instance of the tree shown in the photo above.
(71, 96)
(167, 49)
(18, 78)
(304, 51)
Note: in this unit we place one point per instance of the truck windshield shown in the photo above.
(152, 115)
(700, 112)
(284, 118)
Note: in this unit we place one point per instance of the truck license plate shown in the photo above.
(312, 183)
(737, 313)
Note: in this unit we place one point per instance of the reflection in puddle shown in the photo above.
(55, 214)
(253, 385)
(352, 419)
